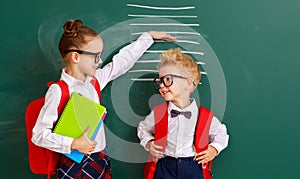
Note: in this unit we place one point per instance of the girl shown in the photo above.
(81, 48)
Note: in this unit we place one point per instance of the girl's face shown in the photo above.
(175, 88)
(90, 59)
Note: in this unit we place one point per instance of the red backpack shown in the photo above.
(42, 160)
(161, 132)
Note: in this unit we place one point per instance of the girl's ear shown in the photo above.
(75, 57)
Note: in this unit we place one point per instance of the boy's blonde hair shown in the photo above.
(182, 61)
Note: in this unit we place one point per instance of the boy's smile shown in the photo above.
(164, 92)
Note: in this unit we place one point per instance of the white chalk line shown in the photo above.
(179, 41)
(153, 71)
(161, 8)
(170, 32)
(163, 24)
(161, 16)
(157, 61)
(160, 51)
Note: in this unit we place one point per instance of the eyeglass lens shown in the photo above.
(167, 81)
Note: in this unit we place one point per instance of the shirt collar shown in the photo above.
(71, 81)
(190, 107)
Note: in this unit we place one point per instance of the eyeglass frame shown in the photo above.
(96, 54)
(161, 80)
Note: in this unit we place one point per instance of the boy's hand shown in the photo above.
(155, 150)
(206, 155)
(162, 36)
(83, 144)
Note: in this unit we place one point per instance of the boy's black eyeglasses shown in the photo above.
(97, 54)
(167, 80)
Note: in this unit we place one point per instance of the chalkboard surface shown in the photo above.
(248, 52)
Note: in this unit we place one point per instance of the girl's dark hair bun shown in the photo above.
(72, 27)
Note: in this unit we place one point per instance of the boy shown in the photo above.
(174, 153)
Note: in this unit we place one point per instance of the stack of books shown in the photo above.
(79, 114)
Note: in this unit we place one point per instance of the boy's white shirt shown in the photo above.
(42, 132)
(181, 132)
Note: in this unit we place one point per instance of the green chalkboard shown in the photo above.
(248, 51)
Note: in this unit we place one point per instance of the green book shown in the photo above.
(79, 113)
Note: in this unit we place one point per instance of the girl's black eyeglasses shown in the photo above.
(97, 54)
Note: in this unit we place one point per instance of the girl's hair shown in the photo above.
(75, 36)
(182, 61)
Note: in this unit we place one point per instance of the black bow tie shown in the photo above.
(186, 114)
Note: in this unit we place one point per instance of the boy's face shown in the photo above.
(179, 91)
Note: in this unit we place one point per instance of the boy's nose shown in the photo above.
(161, 85)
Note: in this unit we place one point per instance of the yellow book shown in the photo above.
(79, 113)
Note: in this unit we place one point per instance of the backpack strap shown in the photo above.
(202, 129)
(96, 85)
(161, 125)
(160, 136)
(201, 139)
(65, 95)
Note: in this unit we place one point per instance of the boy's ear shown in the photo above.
(190, 84)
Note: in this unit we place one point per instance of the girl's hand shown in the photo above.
(206, 155)
(83, 144)
(162, 36)
(155, 150)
